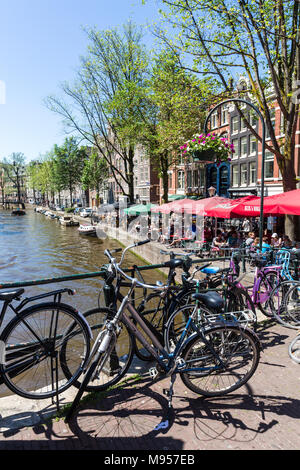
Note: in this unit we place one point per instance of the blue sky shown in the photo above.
(41, 41)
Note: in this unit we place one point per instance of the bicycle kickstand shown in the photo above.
(170, 392)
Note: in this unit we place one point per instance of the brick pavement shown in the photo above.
(263, 414)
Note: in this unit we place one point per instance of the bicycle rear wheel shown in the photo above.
(33, 366)
(178, 320)
(239, 351)
(117, 363)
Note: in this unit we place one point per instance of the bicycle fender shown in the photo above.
(236, 325)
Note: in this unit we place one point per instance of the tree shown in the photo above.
(14, 167)
(178, 101)
(32, 171)
(258, 38)
(103, 104)
(67, 165)
(95, 173)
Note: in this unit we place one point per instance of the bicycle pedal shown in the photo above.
(180, 363)
(153, 372)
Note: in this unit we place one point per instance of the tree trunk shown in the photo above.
(164, 165)
(130, 174)
(287, 168)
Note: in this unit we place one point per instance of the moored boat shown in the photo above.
(18, 212)
(87, 229)
(68, 220)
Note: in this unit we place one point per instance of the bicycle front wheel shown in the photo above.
(288, 313)
(221, 361)
(294, 349)
(268, 282)
(33, 366)
(116, 363)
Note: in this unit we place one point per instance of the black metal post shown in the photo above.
(261, 218)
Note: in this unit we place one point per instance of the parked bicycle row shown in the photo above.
(202, 328)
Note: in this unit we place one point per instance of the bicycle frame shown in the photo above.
(260, 273)
(162, 356)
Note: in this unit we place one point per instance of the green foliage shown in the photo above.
(68, 162)
(95, 173)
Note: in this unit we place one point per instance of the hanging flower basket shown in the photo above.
(208, 147)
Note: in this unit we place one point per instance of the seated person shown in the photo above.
(218, 242)
(176, 239)
(232, 240)
(286, 242)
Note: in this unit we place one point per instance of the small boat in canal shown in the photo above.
(85, 229)
(18, 212)
(68, 220)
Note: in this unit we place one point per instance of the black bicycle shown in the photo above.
(40, 342)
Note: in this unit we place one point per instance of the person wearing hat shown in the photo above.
(275, 240)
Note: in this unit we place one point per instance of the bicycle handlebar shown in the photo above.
(129, 278)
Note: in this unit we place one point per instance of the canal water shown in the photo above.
(34, 246)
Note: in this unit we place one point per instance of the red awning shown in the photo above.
(201, 206)
(283, 203)
(174, 206)
(230, 208)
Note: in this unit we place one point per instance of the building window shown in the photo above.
(244, 174)
(236, 153)
(253, 145)
(235, 125)
(189, 179)
(223, 181)
(281, 123)
(224, 115)
(252, 173)
(272, 117)
(244, 147)
(195, 178)
(269, 165)
(201, 177)
(180, 179)
(214, 119)
(253, 119)
(235, 175)
(243, 125)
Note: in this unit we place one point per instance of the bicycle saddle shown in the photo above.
(9, 295)
(211, 270)
(173, 263)
(215, 270)
(210, 299)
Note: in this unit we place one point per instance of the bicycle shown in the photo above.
(213, 361)
(38, 343)
(266, 276)
(156, 308)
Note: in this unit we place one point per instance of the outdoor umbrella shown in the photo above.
(139, 209)
(284, 203)
(170, 206)
(201, 206)
(230, 208)
(182, 205)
